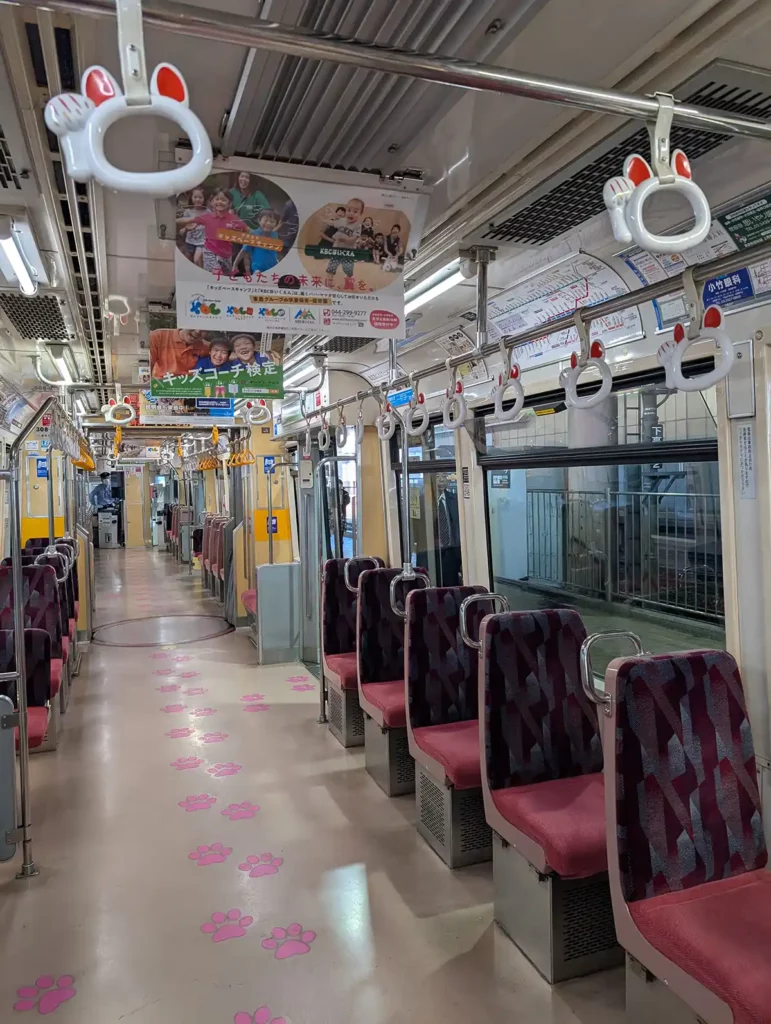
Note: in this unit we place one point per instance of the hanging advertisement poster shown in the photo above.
(277, 252)
(185, 412)
(189, 363)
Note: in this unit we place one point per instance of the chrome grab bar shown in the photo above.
(464, 606)
(42, 560)
(346, 577)
(604, 700)
(408, 573)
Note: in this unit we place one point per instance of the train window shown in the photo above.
(613, 511)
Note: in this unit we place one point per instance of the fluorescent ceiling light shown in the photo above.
(303, 373)
(80, 409)
(64, 361)
(64, 370)
(14, 262)
(434, 292)
(439, 275)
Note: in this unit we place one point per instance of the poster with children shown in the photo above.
(300, 256)
(217, 366)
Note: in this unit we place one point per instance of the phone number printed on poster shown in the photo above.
(274, 252)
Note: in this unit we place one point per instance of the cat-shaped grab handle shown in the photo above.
(81, 122)
(625, 197)
(569, 378)
(670, 355)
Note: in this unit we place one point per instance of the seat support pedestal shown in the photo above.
(346, 719)
(387, 758)
(564, 926)
(649, 999)
(452, 821)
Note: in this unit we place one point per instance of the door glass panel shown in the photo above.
(435, 527)
(634, 547)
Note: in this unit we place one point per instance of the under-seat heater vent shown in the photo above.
(35, 318)
(335, 709)
(475, 833)
(405, 766)
(587, 920)
(355, 714)
(432, 807)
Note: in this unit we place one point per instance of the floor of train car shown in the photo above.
(161, 881)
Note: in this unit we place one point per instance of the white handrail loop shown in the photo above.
(385, 422)
(257, 414)
(591, 354)
(671, 354)
(510, 378)
(454, 408)
(416, 417)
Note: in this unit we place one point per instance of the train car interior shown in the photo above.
(395, 374)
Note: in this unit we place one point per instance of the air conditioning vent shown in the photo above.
(38, 318)
(9, 175)
(343, 346)
(554, 209)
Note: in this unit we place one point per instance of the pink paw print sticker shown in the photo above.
(291, 941)
(168, 688)
(297, 679)
(260, 1016)
(164, 672)
(160, 656)
(180, 734)
(183, 764)
(46, 995)
(237, 812)
(202, 802)
(223, 926)
(253, 698)
(203, 712)
(195, 691)
(259, 866)
(217, 853)
(188, 675)
(256, 707)
(214, 737)
(303, 687)
(225, 768)
(182, 657)
(173, 709)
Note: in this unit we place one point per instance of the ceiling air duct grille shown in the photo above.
(344, 346)
(36, 318)
(578, 198)
(9, 176)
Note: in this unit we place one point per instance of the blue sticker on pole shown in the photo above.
(268, 462)
(273, 524)
(42, 468)
(403, 397)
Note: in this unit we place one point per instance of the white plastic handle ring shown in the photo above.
(325, 439)
(258, 415)
(359, 429)
(519, 399)
(570, 377)
(417, 429)
(385, 424)
(454, 411)
(128, 414)
(719, 336)
(668, 243)
(341, 435)
(152, 183)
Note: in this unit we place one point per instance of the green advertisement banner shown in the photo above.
(215, 364)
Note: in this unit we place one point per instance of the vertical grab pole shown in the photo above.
(482, 256)
(50, 483)
(407, 524)
(269, 478)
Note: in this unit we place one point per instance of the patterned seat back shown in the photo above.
(441, 669)
(338, 604)
(37, 661)
(66, 599)
(70, 545)
(539, 724)
(36, 542)
(380, 629)
(43, 609)
(687, 798)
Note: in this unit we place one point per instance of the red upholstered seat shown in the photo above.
(720, 934)
(566, 817)
(73, 626)
(37, 723)
(65, 649)
(344, 666)
(249, 601)
(456, 747)
(389, 698)
(57, 667)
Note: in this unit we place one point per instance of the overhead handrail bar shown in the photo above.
(464, 74)
(464, 606)
(599, 697)
(701, 273)
(347, 578)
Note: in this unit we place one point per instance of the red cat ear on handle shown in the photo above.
(167, 81)
(637, 169)
(98, 85)
(713, 317)
(681, 165)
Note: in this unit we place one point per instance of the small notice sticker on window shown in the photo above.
(746, 445)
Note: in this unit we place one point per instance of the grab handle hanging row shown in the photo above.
(454, 407)
(417, 408)
(81, 120)
(701, 327)
(385, 423)
(508, 378)
(591, 353)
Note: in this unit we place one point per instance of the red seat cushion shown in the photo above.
(389, 698)
(344, 666)
(720, 934)
(37, 723)
(456, 747)
(65, 649)
(57, 667)
(566, 817)
(73, 626)
(249, 601)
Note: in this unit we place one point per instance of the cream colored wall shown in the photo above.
(374, 538)
(34, 495)
(136, 525)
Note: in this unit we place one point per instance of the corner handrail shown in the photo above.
(600, 697)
